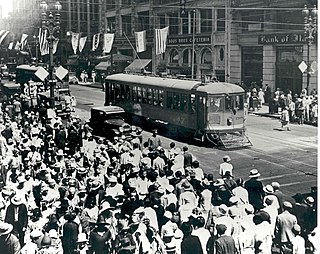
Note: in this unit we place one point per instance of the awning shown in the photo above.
(137, 65)
(115, 58)
(72, 62)
(102, 66)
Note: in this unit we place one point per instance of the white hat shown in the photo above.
(53, 233)
(227, 158)
(254, 173)
(268, 189)
(82, 237)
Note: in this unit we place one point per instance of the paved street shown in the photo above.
(287, 157)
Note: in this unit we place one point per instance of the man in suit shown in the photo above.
(284, 225)
(17, 215)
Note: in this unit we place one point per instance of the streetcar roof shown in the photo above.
(220, 88)
(154, 81)
(109, 109)
(27, 67)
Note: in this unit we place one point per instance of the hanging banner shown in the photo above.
(82, 43)
(3, 35)
(55, 46)
(23, 40)
(75, 42)
(10, 47)
(17, 47)
(141, 41)
(107, 42)
(95, 42)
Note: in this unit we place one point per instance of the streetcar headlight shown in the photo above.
(229, 121)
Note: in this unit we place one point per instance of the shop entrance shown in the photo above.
(288, 75)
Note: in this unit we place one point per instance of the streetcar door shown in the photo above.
(201, 112)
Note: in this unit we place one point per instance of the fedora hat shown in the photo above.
(15, 200)
(5, 228)
(254, 173)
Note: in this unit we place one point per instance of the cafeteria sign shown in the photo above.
(198, 39)
(281, 39)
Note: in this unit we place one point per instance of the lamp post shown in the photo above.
(310, 30)
(51, 23)
(193, 42)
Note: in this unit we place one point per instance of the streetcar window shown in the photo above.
(170, 100)
(149, 96)
(122, 93)
(228, 102)
(184, 103)
(144, 95)
(134, 93)
(214, 104)
(155, 93)
(117, 92)
(192, 104)
(176, 101)
(161, 98)
(139, 94)
(126, 92)
(238, 102)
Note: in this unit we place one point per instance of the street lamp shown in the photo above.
(51, 23)
(310, 30)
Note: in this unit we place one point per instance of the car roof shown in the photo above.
(108, 109)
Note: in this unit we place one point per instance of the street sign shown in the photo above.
(314, 67)
(41, 73)
(61, 72)
(303, 66)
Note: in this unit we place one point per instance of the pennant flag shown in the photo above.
(161, 40)
(17, 47)
(141, 42)
(82, 42)
(3, 35)
(107, 42)
(95, 41)
(10, 47)
(55, 46)
(23, 40)
(75, 41)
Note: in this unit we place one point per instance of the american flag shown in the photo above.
(3, 34)
(43, 43)
(161, 40)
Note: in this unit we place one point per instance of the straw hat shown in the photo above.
(227, 158)
(82, 237)
(268, 189)
(15, 200)
(5, 228)
(254, 173)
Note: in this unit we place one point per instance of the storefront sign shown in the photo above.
(281, 39)
(199, 39)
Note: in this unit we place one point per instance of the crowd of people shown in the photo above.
(302, 108)
(63, 192)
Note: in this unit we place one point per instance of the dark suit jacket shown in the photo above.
(22, 217)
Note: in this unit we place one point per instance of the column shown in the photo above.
(269, 66)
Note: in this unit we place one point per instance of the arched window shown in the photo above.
(206, 57)
(174, 56)
(187, 56)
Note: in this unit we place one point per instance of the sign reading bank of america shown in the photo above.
(292, 38)
(187, 39)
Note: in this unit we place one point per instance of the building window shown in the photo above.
(173, 23)
(111, 4)
(206, 57)
(289, 20)
(111, 24)
(185, 24)
(206, 21)
(126, 24)
(221, 20)
(162, 21)
(174, 56)
(252, 20)
(125, 3)
(186, 57)
(143, 18)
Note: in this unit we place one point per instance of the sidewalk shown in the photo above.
(264, 111)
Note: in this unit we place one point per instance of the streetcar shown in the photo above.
(206, 111)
